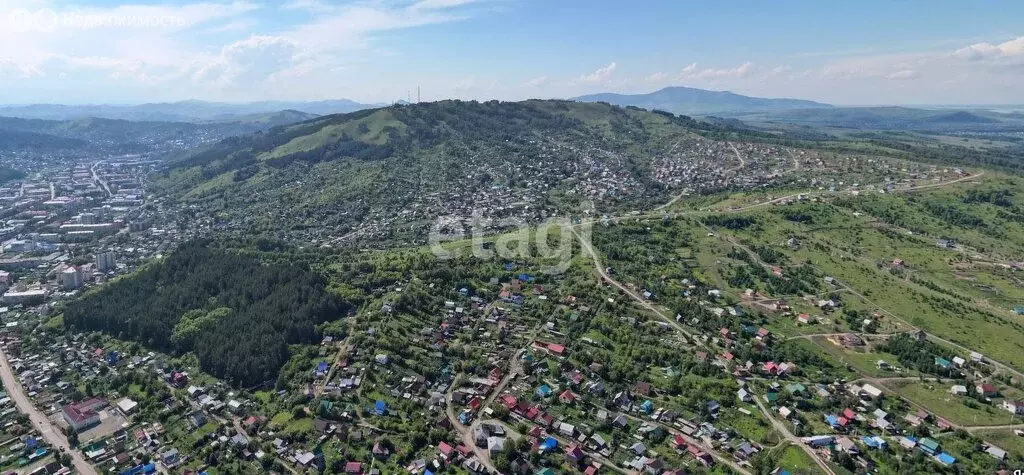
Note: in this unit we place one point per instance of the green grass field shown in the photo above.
(797, 461)
(1004, 439)
(936, 397)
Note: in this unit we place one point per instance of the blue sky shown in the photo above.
(866, 52)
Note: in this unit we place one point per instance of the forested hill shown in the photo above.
(236, 313)
(415, 162)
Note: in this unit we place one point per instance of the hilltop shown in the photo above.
(403, 166)
(385, 176)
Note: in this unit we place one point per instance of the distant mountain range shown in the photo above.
(93, 134)
(692, 101)
(890, 118)
(184, 111)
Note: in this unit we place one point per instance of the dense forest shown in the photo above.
(17, 139)
(236, 313)
(10, 174)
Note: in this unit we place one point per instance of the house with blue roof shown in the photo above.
(544, 390)
(380, 408)
(874, 441)
(647, 407)
(832, 420)
(946, 459)
(940, 361)
(548, 444)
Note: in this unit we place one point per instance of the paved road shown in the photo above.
(96, 177)
(53, 435)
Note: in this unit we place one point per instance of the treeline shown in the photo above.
(345, 147)
(918, 354)
(235, 312)
(999, 197)
(735, 223)
(492, 121)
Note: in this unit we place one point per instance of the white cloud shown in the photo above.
(465, 84)
(657, 77)
(12, 68)
(440, 4)
(536, 82)
(601, 74)
(741, 71)
(903, 74)
(203, 47)
(1011, 48)
(250, 60)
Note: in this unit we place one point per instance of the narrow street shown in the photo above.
(52, 434)
(782, 429)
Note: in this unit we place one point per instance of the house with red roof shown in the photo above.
(700, 455)
(567, 397)
(354, 468)
(509, 401)
(987, 390)
(446, 450)
(85, 414)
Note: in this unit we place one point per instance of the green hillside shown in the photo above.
(332, 171)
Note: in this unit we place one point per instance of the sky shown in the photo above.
(866, 52)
